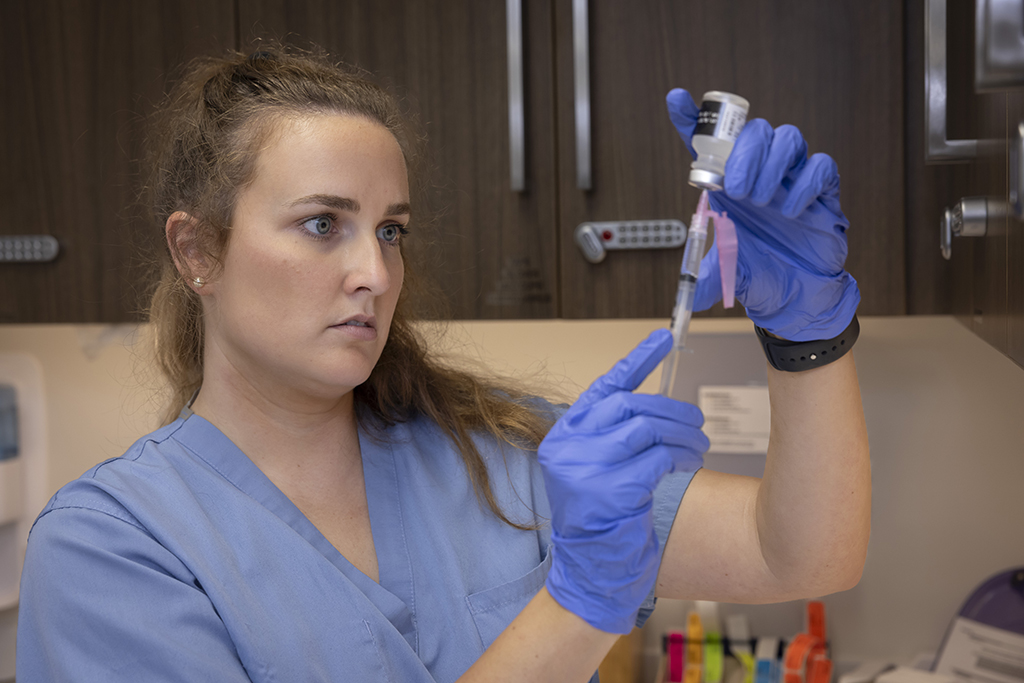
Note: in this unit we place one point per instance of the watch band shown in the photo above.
(791, 356)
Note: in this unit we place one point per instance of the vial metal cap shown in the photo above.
(706, 180)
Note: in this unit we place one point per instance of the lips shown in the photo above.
(358, 321)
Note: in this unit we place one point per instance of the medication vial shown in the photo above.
(721, 118)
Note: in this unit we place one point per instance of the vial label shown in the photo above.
(722, 120)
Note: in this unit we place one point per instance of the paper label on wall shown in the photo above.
(737, 419)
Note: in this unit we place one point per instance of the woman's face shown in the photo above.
(313, 266)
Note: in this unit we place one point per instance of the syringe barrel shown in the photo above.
(693, 253)
(684, 309)
(692, 256)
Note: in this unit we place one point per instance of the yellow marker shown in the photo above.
(748, 663)
(694, 672)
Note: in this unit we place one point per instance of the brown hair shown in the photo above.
(207, 137)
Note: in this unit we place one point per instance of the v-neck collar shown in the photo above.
(394, 595)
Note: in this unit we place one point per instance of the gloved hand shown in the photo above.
(791, 231)
(601, 462)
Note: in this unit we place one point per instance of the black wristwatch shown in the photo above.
(791, 356)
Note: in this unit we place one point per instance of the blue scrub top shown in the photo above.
(181, 561)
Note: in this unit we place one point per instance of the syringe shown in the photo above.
(692, 255)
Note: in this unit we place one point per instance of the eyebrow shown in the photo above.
(347, 204)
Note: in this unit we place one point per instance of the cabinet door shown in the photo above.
(494, 252)
(988, 177)
(973, 284)
(78, 77)
(936, 286)
(1015, 252)
(833, 69)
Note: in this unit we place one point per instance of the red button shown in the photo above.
(607, 235)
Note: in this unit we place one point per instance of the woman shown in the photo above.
(331, 505)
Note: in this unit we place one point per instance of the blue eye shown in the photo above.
(391, 233)
(318, 226)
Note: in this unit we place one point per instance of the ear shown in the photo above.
(183, 239)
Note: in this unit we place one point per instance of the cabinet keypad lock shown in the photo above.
(596, 238)
(28, 248)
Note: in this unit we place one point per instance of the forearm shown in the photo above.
(546, 642)
(813, 508)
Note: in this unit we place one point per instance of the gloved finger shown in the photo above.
(747, 158)
(669, 459)
(648, 467)
(682, 111)
(831, 202)
(593, 454)
(639, 434)
(709, 282)
(787, 154)
(622, 406)
(620, 450)
(629, 372)
(819, 178)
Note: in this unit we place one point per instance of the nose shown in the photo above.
(366, 267)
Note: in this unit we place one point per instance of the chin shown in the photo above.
(336, 384)
(350, 368)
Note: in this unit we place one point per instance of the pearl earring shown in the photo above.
(198, 282)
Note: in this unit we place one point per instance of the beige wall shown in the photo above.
(945, 414)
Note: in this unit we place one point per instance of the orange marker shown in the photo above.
(820, 671)
(816, 620)
(801, 653)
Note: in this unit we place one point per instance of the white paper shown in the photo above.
(906, 674)
(737, 419)
(981, 653)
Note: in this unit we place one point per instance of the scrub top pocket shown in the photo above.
(495, 608)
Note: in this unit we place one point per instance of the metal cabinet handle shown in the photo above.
(939, 149)
(516, 113)
(581, 88)
(998, 44)
(1017, 171)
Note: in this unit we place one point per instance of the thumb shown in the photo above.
(709, 281)
(632, 370)
(682, 110)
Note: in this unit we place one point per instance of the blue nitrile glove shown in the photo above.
(791, 231)
(601, 463)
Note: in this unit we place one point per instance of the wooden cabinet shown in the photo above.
(491, 250)
(833, 69)
(1014, 250)
(983, 281)
(78, 76)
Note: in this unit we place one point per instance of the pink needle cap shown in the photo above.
(725, 238)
